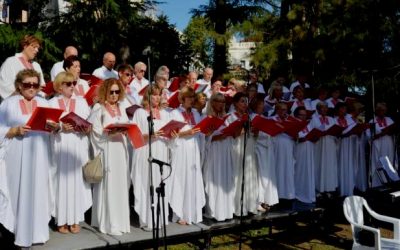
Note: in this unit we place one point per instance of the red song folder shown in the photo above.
(233, 128)
(48, 89)
(268, 126)
(133, 132)
(314, 135)
(210, 124)
(92, 94)
(172, 125)
(335, 130)
(358, 129)
(76, 121)
(175, 82)
(199, 87)
(143, 90)
(91, 79)
(41, 115)
(293, 126)
(130, 111)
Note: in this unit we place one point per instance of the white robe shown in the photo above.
(186, 194)
(104, 73)
(326, 158)
(219, 177)
(284, 164)
(264, 149)
(383, 146)
(250, 195)
(304, 168)
(110, 211)
(8, 72)
(73, 195)
(27, 163)
(140, 174)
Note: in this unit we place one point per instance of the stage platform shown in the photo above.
(199, 234)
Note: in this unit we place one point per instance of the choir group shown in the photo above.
(288, 146)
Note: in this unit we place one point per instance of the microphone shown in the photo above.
(160, 163)
(146, 51)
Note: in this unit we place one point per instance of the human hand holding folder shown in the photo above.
(44, 119)
(132, 131)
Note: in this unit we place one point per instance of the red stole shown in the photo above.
(342, 121)
(381, 122)
(324, 120)
(24, 109)
(112, 112)
(27, 64)
(156, 113)
(78, 90)
(71, 107)
(189, 117)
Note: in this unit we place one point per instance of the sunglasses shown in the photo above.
(142, 71)
(117, 92)
(69, 84)
(128, 74)
(29, 85)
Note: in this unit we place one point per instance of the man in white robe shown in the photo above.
(58, 66)
(107, 70)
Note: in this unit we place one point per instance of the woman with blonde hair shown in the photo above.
(140, 174)
(110, 211)
(71, 151)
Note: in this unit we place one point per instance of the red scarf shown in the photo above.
(24, 109)
(381, 122)
(71, 108)
(342, 122)
(324, 120)
(189, 117)
(112, 112)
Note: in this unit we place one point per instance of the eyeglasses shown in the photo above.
(128, 74)
(29, 85)
(142, 71)
(117, 92)
(219, 101)
(69, 84)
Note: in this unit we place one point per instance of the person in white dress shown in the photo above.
(24, 164)
(73, 65)
(58, 66)
(110, 211)
(139, 81)
(30, 46)
(70, 151)
(299, 101)
(107, 70)
(284, 156)
(187, 196)
(346, 152)
(381, 141)
(250, 195)
(207, 76)
(125, 74)
(304, 168)
(326, 157)
(264, 153)
(218, 172)
(140, 173)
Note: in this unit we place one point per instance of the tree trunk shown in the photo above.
(220, 48)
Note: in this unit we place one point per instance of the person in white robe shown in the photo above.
(284, 156)
(381, 142)
(23, 60)
(110, 211)
(206, 80)
(140, 173)
(250, 193)
(25, 161)
(125, 74)
(73, 196)
(73, 65)
(326, 157)
(264, 153)
(359, 142)
(304, 168)
(58, 66)
(346, 150)
(106, 71)
(139, 82)
(299, 101)
(218, 171)
(186, 195)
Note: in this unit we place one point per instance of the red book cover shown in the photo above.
(358, 129)
(391, 129)
(174, 86)
(130, 111)
(233, 128)
(335, 130)
(293, 126)
(173, 101)
(268, 126)
(172, 126)
(91, 94)
(133, 132)
(314, 135)
(199, 87)
(48, 89)
(38, 119)
(91, 79)
(349, 100)
(76, 121)
(143, 90)
(210, 124)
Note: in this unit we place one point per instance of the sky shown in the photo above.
(178, 10)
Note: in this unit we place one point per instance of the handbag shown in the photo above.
(93, 170)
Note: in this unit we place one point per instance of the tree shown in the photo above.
(223, 15)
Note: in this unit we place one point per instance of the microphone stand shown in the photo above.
(246, 127)
(151, 185)
(161, 195)
(373, 133)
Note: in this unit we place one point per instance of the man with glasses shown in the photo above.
(30, 46)
(207, 75)
(107, 70)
